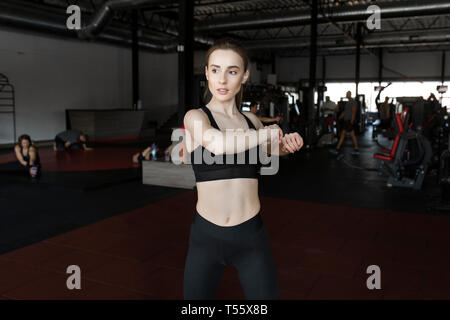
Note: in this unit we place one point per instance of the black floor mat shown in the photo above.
(30, 213)
(79, 180)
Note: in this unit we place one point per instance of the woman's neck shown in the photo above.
(225, 107)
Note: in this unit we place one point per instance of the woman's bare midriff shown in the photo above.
(228, 202)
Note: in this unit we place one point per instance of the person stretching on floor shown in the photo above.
(70, 139)
(141, 156)
(27, 155)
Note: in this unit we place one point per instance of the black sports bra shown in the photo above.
(27, 157)
(219, 170)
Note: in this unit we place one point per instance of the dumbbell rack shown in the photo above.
(7, 100)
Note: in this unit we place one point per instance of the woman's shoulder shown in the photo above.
(253, 118)
(250, 114)
(195, 114)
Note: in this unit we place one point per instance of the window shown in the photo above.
(336, 91)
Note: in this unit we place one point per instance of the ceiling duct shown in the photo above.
(106, 13)
(53, 21)
(389, 10)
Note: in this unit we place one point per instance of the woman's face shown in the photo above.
(225, 74)
(25, 143)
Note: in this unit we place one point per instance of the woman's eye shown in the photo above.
(214, 70)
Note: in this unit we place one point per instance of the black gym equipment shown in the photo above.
(273, 101)
(308, 121)
(443, 202)
(377, 126)
(361, 115)
(406, 163)
(428, 118)
(8, 102)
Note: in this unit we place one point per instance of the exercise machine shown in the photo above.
(406, 163)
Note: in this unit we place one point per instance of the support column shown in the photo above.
(185, 57)
(273, 60)
(380, 66)
(135, 59)
(324, 69)
(312, 60)
(358, 56)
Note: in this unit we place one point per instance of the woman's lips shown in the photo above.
(222, 91)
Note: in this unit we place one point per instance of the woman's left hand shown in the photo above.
(291, 142)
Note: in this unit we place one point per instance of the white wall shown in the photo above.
(420, 65)
(417, 65)
(158, 75)
(292, 69)
(53, 74)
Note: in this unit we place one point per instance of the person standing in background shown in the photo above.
(349, 116)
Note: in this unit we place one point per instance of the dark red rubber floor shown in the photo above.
(77, 160)
(321, 252)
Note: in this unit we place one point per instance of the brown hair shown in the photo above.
(228, 44)
(24, 137)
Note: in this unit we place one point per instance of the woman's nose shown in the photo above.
(222, 78)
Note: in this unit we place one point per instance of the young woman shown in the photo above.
(27, 155)
(227, 228)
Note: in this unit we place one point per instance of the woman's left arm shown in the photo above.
(290, 142)
(32, 152)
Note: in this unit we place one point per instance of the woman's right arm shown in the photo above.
(19, 156)
(200, 132)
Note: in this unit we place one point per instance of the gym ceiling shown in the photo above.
(265, 27)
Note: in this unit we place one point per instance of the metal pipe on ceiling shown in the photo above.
(14, 14)
(106, 13)
(389, 10)
(54, 22)
(370, 41)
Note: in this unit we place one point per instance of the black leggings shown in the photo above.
(16, 166)
(244, 246)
